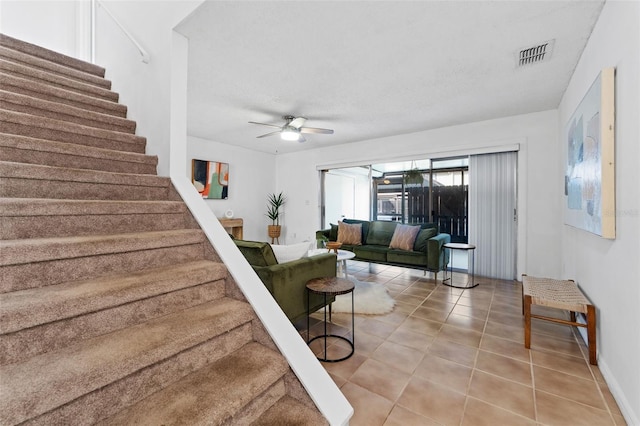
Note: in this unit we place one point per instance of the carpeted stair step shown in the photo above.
(289, 411)
(44, 319)
(43, 108)
(53, 67)
(18, 123)
(48, 218)
(44, 91)
(55, 80)
(51, 380)
(39, 262)
(23, 149)
(49, 55)
(36, 181)
(217, 394)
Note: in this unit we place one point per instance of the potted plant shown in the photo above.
(413, 176)
(275, 201)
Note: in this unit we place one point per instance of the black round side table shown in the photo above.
(331, 286)
(469, 248)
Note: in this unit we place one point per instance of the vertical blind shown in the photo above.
(492, 213)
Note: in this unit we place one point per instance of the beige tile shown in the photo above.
(567, 386)
(430, 314)
(610, 400)
(506, 319)
(507, 308)
(368, 407)
(460, 335)
(409, 299)
(438, 305)
(503, 393)
(505, 347)
(433, 401)
(377, 328)
(443, 372)
(548, 343)
(455, 352)
(504, 331)
(564, 363)
(470, 311)
(400, 416)
(417, 291)
(553, 410)
(365, 343)
(403, 308)
(381, 379)
(507, 368)
(419, 325)
(400, 357)
(346, 368)
(411, 339)
(468, 323)
(396, 317)
(447, 297)
(479, 413)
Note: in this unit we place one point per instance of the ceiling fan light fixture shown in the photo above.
(290, 134)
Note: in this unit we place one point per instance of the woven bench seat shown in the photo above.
(558, 294)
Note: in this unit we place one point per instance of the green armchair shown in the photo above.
(287, 281)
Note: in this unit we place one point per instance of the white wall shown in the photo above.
(539, 177)
(144, 88)
(608, 270)
(62, 26)
(251, 179)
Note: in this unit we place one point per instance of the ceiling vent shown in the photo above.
(535, 54)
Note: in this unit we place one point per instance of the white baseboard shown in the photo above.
(625, 407)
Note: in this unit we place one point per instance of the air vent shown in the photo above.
(535, 54)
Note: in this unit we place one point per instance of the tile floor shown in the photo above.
(446, 356)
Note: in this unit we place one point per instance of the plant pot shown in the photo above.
(274, 231)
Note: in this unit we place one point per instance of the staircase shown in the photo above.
(114, 308)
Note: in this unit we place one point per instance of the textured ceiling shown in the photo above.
(370, 69)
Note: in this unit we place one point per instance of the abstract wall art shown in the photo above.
(211, 179)
(589, 186)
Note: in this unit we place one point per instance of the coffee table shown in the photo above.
(342, 255)
(331, 286)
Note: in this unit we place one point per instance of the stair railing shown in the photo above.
(313, 377)
(94, 3)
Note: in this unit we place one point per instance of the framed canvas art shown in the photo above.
(211, 179)
(589, 187)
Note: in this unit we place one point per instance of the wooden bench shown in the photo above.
(558, 294)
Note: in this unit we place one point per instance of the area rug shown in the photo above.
(369, 298)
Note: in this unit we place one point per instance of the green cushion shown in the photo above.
(414, 258)
(365, 227)
(371, 252)
(421, 240)
(257, 253)
(381, 232)
(333, 233)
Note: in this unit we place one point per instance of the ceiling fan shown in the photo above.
(293, 128)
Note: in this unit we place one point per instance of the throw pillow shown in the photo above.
(423, 237)
(288, 253)
(404, 236)
(350, 233)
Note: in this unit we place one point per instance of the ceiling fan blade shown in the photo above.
(268, 134)
(265, 124)
(316, 130)
(297, 122)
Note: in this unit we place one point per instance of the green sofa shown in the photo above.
(287, 281)
(427, 253)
